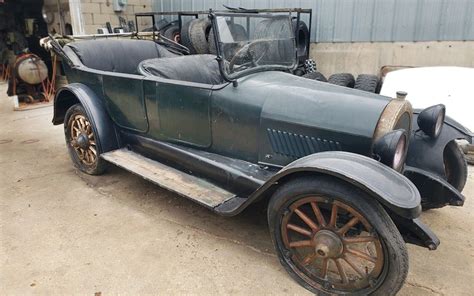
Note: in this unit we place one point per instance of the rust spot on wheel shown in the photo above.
(331, 245)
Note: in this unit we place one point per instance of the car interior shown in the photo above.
(145, 58)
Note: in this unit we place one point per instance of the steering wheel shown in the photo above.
(249, 53)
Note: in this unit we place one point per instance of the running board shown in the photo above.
(170, 178)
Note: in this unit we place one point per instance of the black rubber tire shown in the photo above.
(455, 165)
(367, 82)
(396, 259)
(100, 165)
(198, 35)
(315, 76)
(342, 79)
(172, 32)
(302, 32)
(185, 37)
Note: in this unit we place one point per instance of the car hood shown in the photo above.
(309, 103)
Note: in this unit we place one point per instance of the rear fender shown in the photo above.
(75, 93)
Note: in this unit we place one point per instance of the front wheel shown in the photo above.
(82, 141)
(333, 238)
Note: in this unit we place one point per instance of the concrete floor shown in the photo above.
(63, 232)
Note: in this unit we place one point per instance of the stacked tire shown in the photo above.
(368, 83)
(195, 35)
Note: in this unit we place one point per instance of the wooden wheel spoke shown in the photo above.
(332, 221)
(310, 258)
(341, 271)
(307, 220)
(361, 255)
(318, 214)
(354, 267)
(301, 244)
(359, 239)
(92, 149)
(348, 225)
(324, 268)
(91, 155)
(299, 229)
(83, 123)
(81, 153)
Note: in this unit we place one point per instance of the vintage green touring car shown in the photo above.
(345, 173)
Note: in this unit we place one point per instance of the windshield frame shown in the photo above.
(221, 59)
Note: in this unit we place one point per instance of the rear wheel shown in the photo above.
(82, 141)
(335, 239)
(455, 165)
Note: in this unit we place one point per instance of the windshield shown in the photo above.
(255, 42)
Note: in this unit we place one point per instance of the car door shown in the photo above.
(124, 98)
(179, 111)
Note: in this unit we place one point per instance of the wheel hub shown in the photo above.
(328, 244)
(82, 141)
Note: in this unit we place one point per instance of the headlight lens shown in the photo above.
(391, 149)
(431, 120)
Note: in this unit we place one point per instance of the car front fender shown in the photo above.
(426, 153)
(391, 189)
(75, 93)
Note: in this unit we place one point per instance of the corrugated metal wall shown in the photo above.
(365, 20)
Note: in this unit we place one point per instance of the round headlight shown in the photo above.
(431, 120)
(391, 149)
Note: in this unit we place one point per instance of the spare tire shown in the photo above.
(342, 79)
(185, 38)
(198, 31)
(272, 29)
(315, 76)
(366, 82)
(301, 30)
(172, 32)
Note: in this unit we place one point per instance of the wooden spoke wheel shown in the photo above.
(83, 139)
(82, 142)
(334, 238)
(332, 243)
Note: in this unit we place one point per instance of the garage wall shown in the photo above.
(370, 57)
(365, 20)
(96, 13)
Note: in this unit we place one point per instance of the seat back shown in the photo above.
(116, 55)
(192, 68)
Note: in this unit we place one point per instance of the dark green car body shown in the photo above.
(270, 117)
(248, 134)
